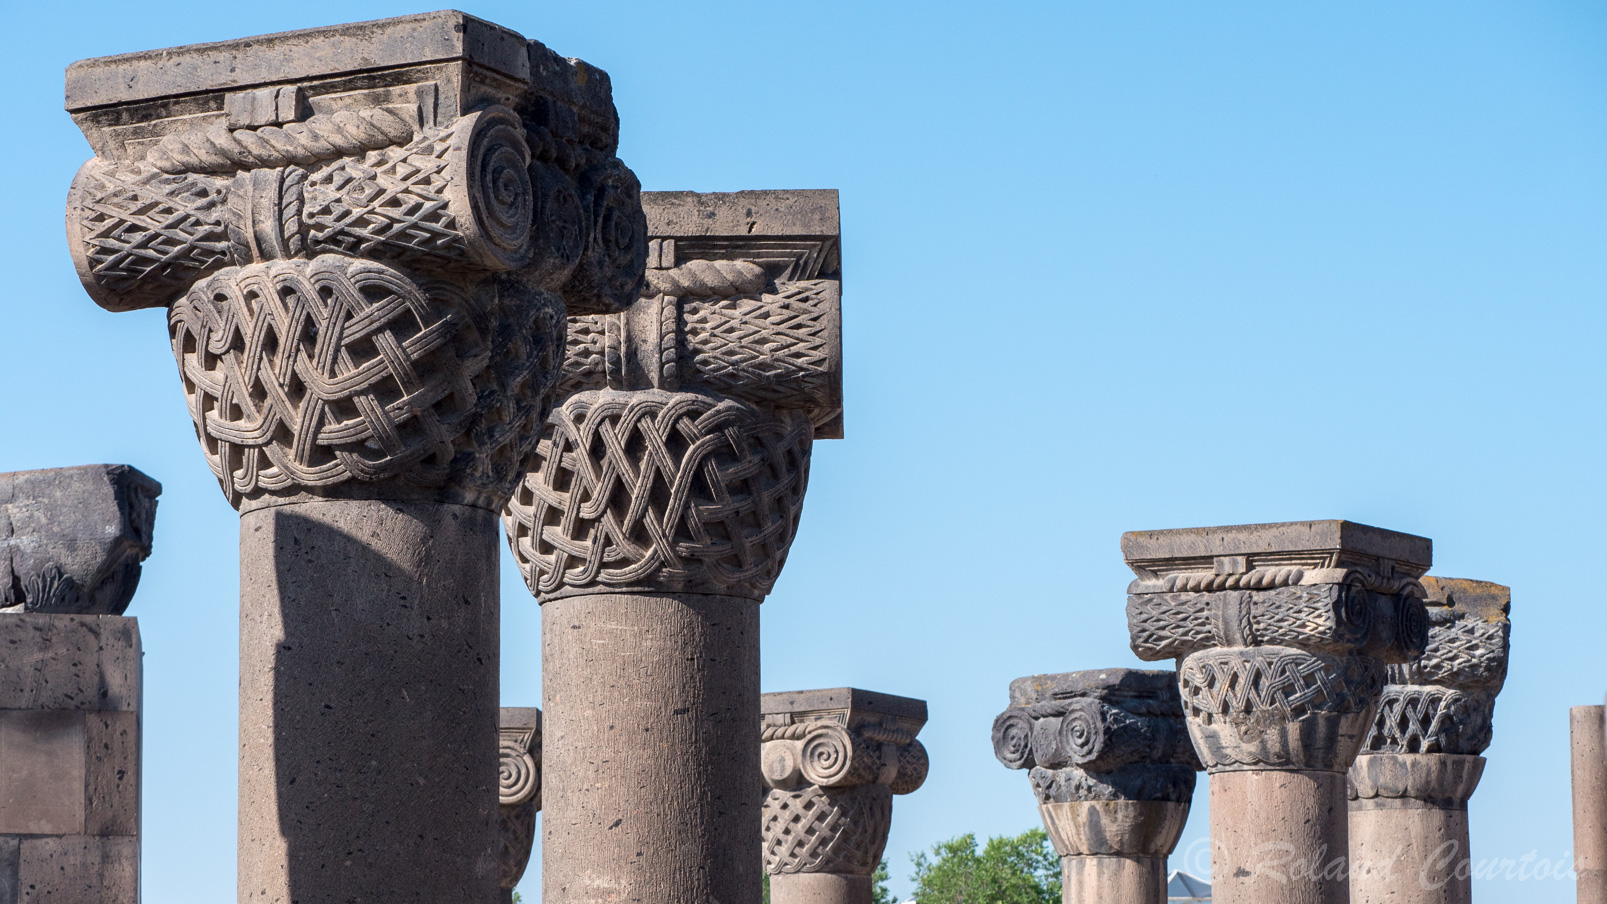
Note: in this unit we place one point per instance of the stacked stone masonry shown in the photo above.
(1111, 763)
(1283, 634)
(832, 762)
(72, 540)
(367, 238)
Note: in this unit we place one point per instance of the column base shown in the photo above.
(819, 888)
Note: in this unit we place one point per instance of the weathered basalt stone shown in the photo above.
(1409, 788)
(367, 238)
(1112, 766)
(518, 790)
(1283, 635)
(832, 761)
(656, 514)
(72, 539)
(1587, 730)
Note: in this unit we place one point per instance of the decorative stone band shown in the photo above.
(468, 197)
(778, 347)
(657, 491)
(826, 830)
(1413, 781)
(1089, 734)
(518, 788)
(1336, 618)
(1129, 828)
(342, 377)
(1431, 719)
(1273, 707)
(73, 538)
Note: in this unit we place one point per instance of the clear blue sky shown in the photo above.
(1108, 266)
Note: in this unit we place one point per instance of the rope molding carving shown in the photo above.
(660, 491)
(318, 138)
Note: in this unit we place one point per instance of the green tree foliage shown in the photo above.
(1019, 870)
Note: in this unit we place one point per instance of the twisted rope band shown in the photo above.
(325, 136)
(707, 279)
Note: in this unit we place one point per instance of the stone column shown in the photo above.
(1588, 730)
(518, 791)
(365, 237)
(1282, 633)
(71, 543)
(832, 761)
(1113, 769)
(1410, 786)
(658, 514)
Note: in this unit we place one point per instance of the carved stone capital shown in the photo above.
(518, 788)
(1282, 633)
(744, 306)
(832, 761)
(1102, 735)
(366, 256)
(1129, 828)
(1392, 781)
(1444, 701)
(72, 539)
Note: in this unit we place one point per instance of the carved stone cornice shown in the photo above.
(1282, 633)
(678, 457)
(518, 788)
(832, 761)
(1100, 735)
(1444, 701)
(72, 539)
(366, 265)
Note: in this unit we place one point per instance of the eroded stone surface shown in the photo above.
(518, 789)
(72, 539)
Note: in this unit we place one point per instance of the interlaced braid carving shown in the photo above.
(1426, 719)
(656, 490)
(1462, 652)
(707, 279)
(585, 354)
(321, 137)
(778, 350)
(304, 375)
(389, 203)
(1291, 683)
(815, 830)
(144, 230)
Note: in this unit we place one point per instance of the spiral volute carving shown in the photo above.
(518, 776)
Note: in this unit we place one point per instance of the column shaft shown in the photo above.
(1413, 855)
(368, 703)
(1102, 879)
(1279, 837)
(651, 772)
(1585, 725)
(819, 888)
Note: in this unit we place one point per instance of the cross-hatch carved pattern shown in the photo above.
(814, 830)
(585, 354)
(1234, 682)
(1427, 719)
(659, 490)
(1463, 652)
(392, 204)
(304, 375)
(141, 226)
(772, 349)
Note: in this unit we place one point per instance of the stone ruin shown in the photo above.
(412, 292)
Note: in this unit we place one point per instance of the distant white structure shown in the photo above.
(1182, 888)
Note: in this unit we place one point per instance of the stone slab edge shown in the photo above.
(1292, 536)
(799, 212)
(851, 698)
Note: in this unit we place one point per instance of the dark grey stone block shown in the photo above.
(82, 662)
(41, 772)
(111, 773)
(78, 869)
(72, 539)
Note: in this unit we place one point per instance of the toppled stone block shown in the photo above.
(72, 539)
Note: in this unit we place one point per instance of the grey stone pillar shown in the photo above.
(366, 238)
(1588, 734)
(518, 791)
(1410, 786)
(832, 761)
(1112, 766)
(658, 514)
(1282, 633)
(71, 543)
